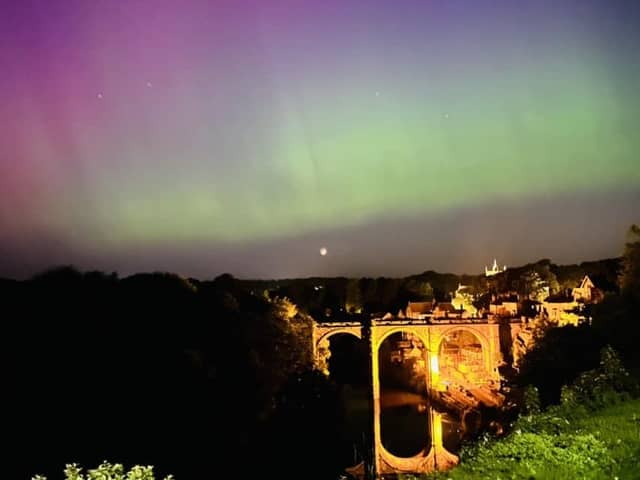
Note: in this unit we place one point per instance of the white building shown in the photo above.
(494, 269)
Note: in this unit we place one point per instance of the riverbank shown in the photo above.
(601, 444)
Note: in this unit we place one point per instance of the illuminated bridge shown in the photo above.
(451, 355)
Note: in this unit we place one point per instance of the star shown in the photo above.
(149, 85)
(99, 96)
(323, 251)
(377, 94)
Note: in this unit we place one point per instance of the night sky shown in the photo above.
(242, 136)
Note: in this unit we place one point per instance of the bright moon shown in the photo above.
(323, 251)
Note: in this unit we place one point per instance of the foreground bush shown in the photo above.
(107, 471)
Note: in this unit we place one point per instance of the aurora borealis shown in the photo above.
(210, 136)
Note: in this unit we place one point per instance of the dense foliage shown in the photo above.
(153, 369)
(107, 471)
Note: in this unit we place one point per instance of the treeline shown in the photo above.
(195, 378)
(340, 296)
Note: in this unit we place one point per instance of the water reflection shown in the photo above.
(405, 408)
(451, 433)
(404, 418)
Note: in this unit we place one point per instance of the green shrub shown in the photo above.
(531, 400)
(107, 471)
(524, 454)
(608, 384)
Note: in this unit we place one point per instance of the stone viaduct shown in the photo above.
(432, 334)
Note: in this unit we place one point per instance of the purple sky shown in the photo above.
(242, 136)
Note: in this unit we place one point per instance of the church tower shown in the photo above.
(494, 269)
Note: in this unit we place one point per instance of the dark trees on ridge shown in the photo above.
(149, 369)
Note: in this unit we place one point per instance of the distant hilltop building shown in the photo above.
(494, 269)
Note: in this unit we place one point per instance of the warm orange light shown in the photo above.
(435, 367)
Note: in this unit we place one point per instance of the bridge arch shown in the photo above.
(328, 349)
(484, 341)
(401, 356)
(464, 352)
(385, 332)
(322, 334)
(346, 330)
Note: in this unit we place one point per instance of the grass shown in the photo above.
(603, 444)
(619, 428)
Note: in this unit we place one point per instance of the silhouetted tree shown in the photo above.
(558, 358)
(630, 276)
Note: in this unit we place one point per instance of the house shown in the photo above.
(419, 310)
(448, 310)
(503, 308)
(586, 292)
(504, 305)
(561, 309)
